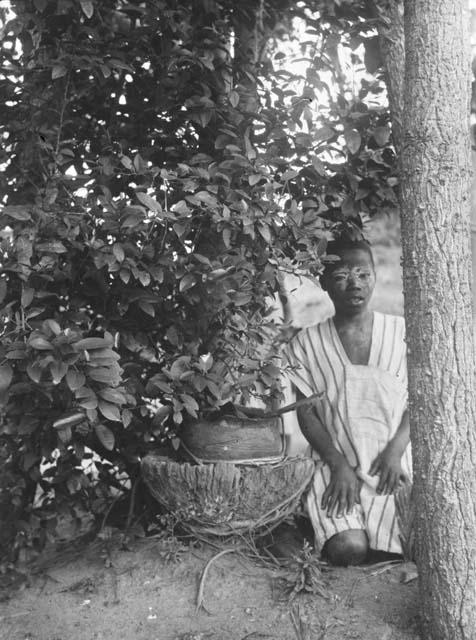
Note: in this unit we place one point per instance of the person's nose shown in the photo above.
(353, 281)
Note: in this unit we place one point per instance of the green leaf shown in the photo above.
(290, 174)
(84, 392)
(69, 420)
(27, 296)
(118, 252)
(125, 275)
(144, 278)
(58, 371)
(89, 403)
(6, 376)
(190, 404)
(109, 411)
(17, 212)
(234, 98)
(373, 56)
(55, 246)
(104, 354)
(157, 383)
(3, 289)
(65, 435)
(40, 343)
(75, 379)
(147, 308)
(148, 201)
(34, 371)
(221, 141)
(87, 7)
(241, 299)
(33, 312)
(265, 232)
(254, 179)
(226, 234)
(207, 198)
(353, 140)
(161, 413)
(105, 436)
(187, 282)
(318, 165)
(52, 325)
(381, 135)
(16, 354)
(112, 395)
(58, 71)
(101, 374)
(126, 418)
(89, 344)
(106, 72)
(125, 161)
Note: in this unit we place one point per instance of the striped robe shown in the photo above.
(361, 408)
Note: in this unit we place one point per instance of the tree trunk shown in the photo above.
(392, 49)
(435, 203)
(249, 38)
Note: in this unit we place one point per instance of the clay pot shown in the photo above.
(234, 439)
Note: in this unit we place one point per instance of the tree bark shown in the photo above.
(392, 49)
(249, 38)
(435, 209)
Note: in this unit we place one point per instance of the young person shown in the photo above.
(359, 428)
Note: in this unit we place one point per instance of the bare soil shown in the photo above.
(150, 592)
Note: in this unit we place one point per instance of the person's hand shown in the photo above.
(388, 466)
(343, 490)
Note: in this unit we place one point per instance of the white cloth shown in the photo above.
(361, 408)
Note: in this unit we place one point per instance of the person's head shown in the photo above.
(350, 279)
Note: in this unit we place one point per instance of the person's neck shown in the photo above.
(361, 317)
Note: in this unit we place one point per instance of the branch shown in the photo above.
(392, 47)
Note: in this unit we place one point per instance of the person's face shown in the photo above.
(351, 281)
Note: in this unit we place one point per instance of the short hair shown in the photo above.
(339, 245)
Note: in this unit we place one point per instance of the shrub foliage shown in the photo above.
(163, 166)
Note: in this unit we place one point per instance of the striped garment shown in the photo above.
(361, 408)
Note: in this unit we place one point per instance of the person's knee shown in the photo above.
(347, 548)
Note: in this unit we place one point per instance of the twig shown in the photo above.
(115, 584)
(61, 113)
(295, 405)
(203, 578)
(14, 615)
(106, 515)
(132, 501)
(384, 566)
(301, 629)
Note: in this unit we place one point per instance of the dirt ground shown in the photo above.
(140, 594)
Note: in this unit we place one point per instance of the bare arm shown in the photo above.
(401, 439)
(344, 487)
(388, 464)
(315, 432)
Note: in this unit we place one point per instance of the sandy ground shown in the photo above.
(139, 595)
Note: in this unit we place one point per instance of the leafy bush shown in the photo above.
(155, 193)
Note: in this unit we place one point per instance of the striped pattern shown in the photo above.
(361, 408)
